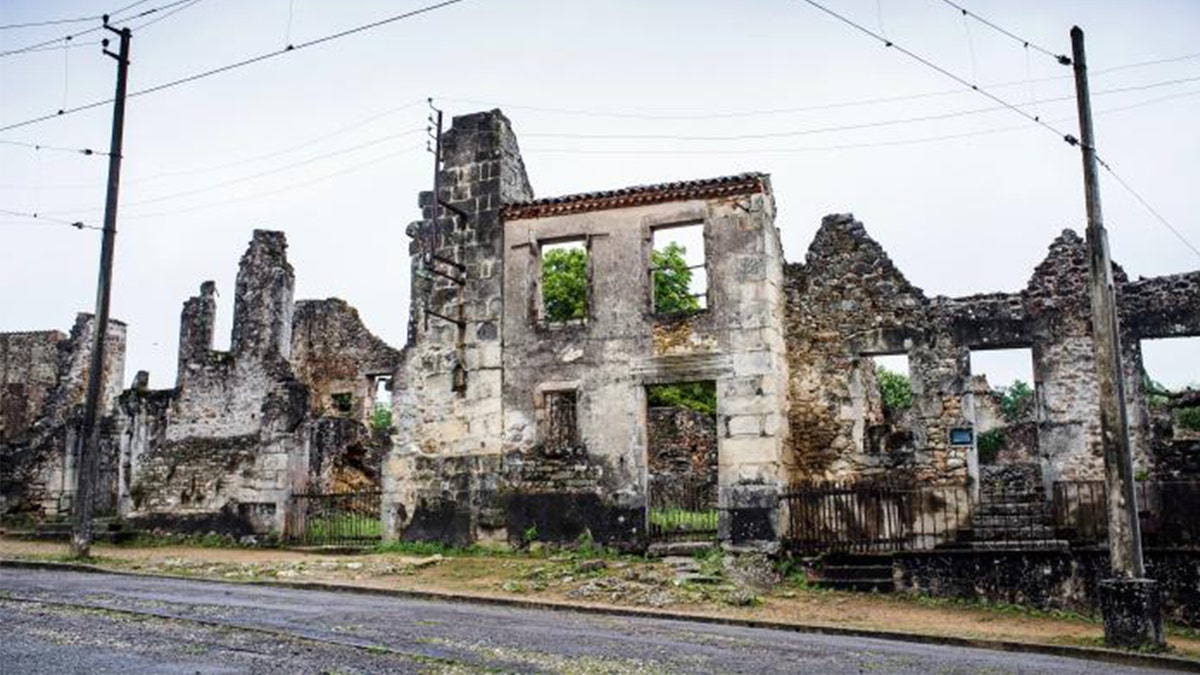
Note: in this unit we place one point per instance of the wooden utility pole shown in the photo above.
(1132, 616)
(88, 469)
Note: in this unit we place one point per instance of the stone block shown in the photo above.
(1132, 610)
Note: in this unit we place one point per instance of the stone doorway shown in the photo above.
(681, 481)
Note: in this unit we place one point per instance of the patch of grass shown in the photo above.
(680, 520)
(343, 526)
(1006, 608)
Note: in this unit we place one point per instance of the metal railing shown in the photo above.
(334, 519)
(1168, 512)
(870, 517)
(682, 509)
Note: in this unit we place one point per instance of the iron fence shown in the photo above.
(335, 519)
(1168, 512)
(682, 508)
(869, 517)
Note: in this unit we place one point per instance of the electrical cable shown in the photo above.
(55, 148)
(244, 62)
(49, 219)
(112, 15)
(261, 174)
(848, 127)
(1066, 138)
(1145, 204)
(1060, 58)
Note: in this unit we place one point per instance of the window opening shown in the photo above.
(889, 422)
(1005, 405)
(1171, 376)
(381, 408)
(561, 435)
(565, 282)
(343, 402)
(678, 274)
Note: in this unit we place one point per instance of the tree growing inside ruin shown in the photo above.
(895, 388)
(1014, 401)
(564, 284)
(672, 280)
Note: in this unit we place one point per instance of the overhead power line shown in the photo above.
(850, 127)
(930, 64)
(52, 22)
(255, 176)
(1145, 204)
(244, 62)
(840, 146)
(49, 220)
(55, 148)
(112, 16)
(1060, 58)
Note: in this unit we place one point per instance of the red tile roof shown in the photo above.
(639, 195)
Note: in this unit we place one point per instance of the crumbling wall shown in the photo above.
(448, 388)
(230, 435)
(848, 301)
(335, 355)
(43, 383)
(845, 303)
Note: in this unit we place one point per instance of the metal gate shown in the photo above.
(682, 509)
(335, 519)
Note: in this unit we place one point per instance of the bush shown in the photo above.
(1014, 399)
(895, 388)
(1188, 418)
(990, 443)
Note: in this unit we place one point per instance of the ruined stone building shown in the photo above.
(511, 415)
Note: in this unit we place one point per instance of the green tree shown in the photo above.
(1014, 400)
(895, 388)
(698, 396)
(672, 280)
(381, 418)
(564, 284)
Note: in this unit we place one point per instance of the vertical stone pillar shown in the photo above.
(196, 326)
(262, 306)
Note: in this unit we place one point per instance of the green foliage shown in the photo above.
(381, 419)
(1013, 400)
(1188, 418)
(672, 281)
(343, 402)
(698, 396)
(564, 284)
(895, 388)
(989, 443)
(679, 520)
(531, 534)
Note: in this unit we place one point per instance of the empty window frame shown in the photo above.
(678, 274)
(894, 380)
(560, 423)
(564, 283)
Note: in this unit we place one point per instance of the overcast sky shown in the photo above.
(326, 143)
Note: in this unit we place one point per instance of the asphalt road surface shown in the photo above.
(70, 622)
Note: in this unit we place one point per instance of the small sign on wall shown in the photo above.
(962, 436)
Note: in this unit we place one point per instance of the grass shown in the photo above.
(680, 520)
(343, 526)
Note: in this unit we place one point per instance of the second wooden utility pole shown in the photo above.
(88, 469)
(1130, 602)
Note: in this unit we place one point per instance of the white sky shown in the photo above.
(959, 216)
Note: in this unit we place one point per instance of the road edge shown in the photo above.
(1070, 651)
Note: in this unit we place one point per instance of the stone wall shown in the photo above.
(848, 302)
(682, 450)
(43, 383)
(231, 432)
(447, 401)
(1048, 579)
(339, 359)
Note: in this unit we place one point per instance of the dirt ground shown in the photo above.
(613, 582)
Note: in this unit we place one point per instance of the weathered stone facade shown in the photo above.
(244, 430)
(43, 382)
(848, 302)
(506, 423)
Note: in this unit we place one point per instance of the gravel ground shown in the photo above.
(182, 626)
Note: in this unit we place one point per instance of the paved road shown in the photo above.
(70, 622)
